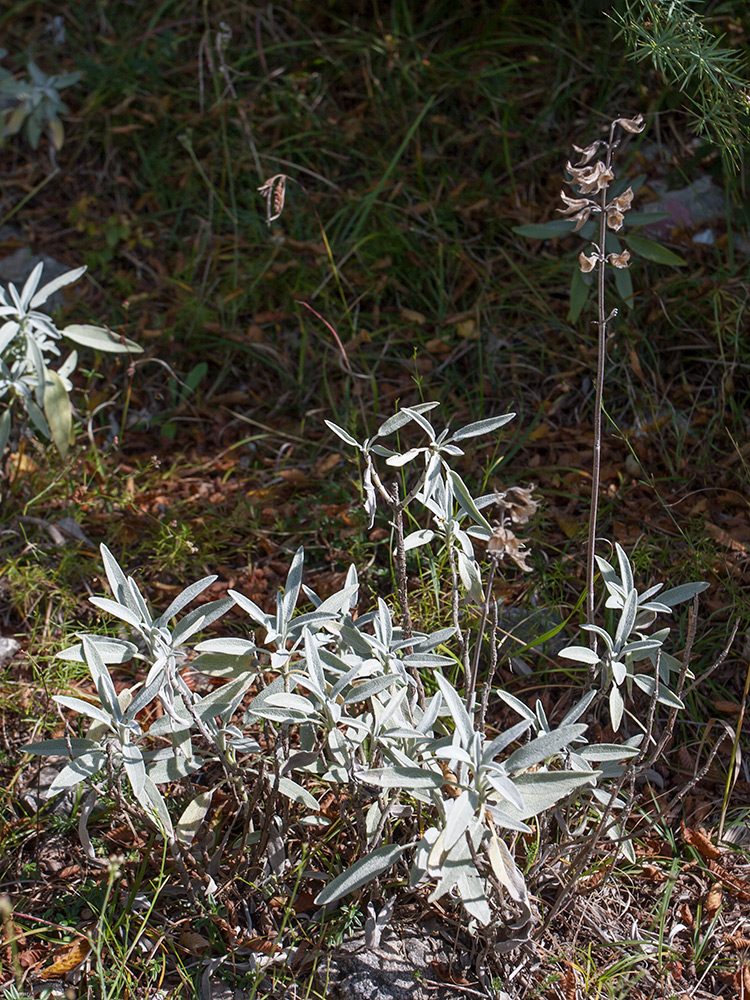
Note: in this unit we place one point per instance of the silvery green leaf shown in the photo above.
(134, 767)
(473, 895)
(138, 602)
(451, 449)
(251, 607)
(84, 708)
(199, 619)
(100, 339)
(607, 751)
(402, 777)
(431, 712)
(423, 422)
(682, 593)
(619, 671)
(301, 760)
(153, 803)
(515, 703)
(361, 872)
(298, 794)
(55, 285)
(627, 619)
(102, 680)
(8, 332)
(641, 648)
(502, 817)
(394, 423)
(118, 582)
(466, 500)
(579, 708)
(366, 689)
(581, 654)
(492, 749)
(173, 768)
(459, 813)
(342, 600)
(505, 869)
(293, 584)
(616, 707)
(424, 407)
(543, 747)
(228, 645)
(59, 747)
(224, 700)
(543, 789)
(505, 787)
(428, 661)
(626, 573)
(116, 609)
(665, 696)
(457, 710)
(110, 650)
(36, 416)
(647, 594)
(452, 753)
(391, 708)
(184, 598)
(609, 575)
(192, 816)
(4, 430)
(292, 702)
(58, 412)
(145, 696)
(471, 578)
(482, 427)
(424, 643)
(344, 435)
(416, 538)
(603, 635)
(397, 461)
(83, 767)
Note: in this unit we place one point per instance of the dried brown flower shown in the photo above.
(519, 502)
(587, 152)
(636, 124)
(591, 180)
(504, 543)
(619, 259)
(587, 263)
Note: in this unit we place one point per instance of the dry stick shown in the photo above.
(601, 350)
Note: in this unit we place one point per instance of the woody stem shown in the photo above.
(597, 459)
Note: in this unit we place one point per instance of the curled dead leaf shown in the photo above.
(714, 900)
(66, 958)
(699, 840)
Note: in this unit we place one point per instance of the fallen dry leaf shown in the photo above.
(713, 900)
(196, 944)
(699, 840)
(66, 958)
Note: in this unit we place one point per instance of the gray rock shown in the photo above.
(404, 967)
(8, 649)
(16, 267)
